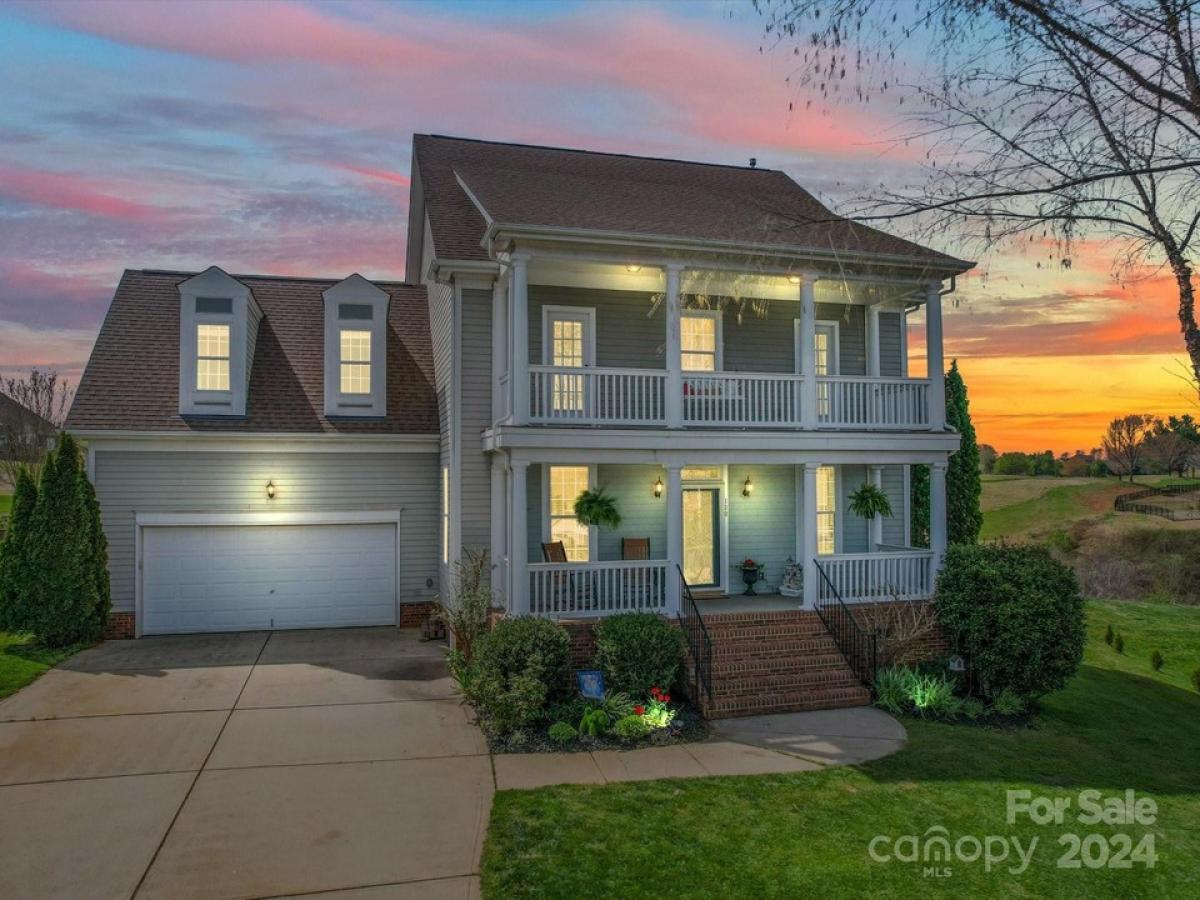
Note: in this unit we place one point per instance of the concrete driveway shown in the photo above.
(244, 765)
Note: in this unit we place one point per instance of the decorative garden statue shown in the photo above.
(793, 579)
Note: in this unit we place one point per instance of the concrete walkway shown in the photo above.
(760, 745)
(270, 765)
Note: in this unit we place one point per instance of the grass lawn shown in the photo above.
(1030, 508)
(21, 661)
(1117, 726)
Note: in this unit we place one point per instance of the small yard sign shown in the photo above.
(591, 683)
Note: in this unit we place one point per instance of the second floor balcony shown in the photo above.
(714, 350)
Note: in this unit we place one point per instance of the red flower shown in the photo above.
(639, 710)
(665, 698)
(654, 692)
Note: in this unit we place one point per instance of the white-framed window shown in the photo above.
(826, 510)
(564, 484)
(445, 515)
(700, 340)
(354, 361)
(568, 342)
(212, 356)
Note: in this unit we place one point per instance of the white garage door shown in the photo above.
(244, 577)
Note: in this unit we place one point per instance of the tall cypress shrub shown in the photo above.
(64, 597)
(918, 492)
(15, 573)
(964, 518)
(97, 550)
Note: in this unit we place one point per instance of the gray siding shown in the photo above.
(642, 514)
(757, 337)
(893, 486)
(441, 327)
(533, 512)
(132, 482)
(855, 531)
(763, 525)
(890, 338)
(475, 494)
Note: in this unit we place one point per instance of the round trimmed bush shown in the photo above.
(639, 651)
(1017, 614)
(517, 644)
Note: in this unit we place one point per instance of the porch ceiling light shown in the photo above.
(270, 490)
(658, 487)
(794, 279)
(631, 268)
(747, 487)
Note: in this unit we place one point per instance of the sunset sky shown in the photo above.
(275, 138)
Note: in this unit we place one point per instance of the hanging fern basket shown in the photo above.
(597, 508)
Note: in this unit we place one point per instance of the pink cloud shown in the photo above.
(379, 174)
(77, 193)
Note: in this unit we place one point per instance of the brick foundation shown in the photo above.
(892, 619)
(413, 615)
(121, 626)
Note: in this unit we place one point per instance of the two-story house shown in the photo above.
(710, 345)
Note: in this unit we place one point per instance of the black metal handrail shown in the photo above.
(858, 646)
(699, 642)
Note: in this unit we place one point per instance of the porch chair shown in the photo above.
(636, 588)
(565, 589)
(635, 548)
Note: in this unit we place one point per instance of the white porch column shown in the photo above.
(873, 341)
(877, 522)
(519, 542)
(937, 513)
(674, 388)
(499, 528)
(500, 346)
(674, 535)
(519, 322)
(933, 353)
(808, 387)
(809, 526)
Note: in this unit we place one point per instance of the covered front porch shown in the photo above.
(686, 529)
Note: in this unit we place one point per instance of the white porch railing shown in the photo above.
(593, 396)
(741, 399)
(857, 402)
(598, 588)
(862, 577)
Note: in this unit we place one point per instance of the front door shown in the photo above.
(702, 536)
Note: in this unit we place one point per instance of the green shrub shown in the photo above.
(971, 708)
(594, 722)
(1016, 612)
(1008, 702)
(515, 641)
(1156, 660)
(16, 578)
(891, 688)
(1119, 643)
(562, 733)
(66, 599)
(933, 696)
(631, 728)
(617, 704)
(507, 705)
(467, 614)
(1108, 635)
(639, 651)
(1196, 679)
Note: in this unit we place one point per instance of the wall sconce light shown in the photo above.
(632, 268)
(658, 487)
(270, 490)
(794, 279)
(747, 487)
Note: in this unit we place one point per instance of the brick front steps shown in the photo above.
(772, 662)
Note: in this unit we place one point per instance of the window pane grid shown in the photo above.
(566, 484)
(698, 343)
(355, 368)
(212, 357)
(826, 510)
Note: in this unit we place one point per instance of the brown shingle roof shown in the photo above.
(523, 185)
(132, 378)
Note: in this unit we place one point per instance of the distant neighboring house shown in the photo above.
(709, 344)
(22, 427)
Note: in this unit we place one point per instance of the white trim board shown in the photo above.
(223, 442)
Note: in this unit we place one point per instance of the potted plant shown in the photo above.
(869, 501)
(597, 508)
(752, 573)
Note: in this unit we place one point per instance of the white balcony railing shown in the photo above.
(741, 399)
(593, 396)
(881, 576)
(857, 402)
(597, 588)
(606, 396)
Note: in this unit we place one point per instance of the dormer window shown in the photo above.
(355, 348)
(218, 324)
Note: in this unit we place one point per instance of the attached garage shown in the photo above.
(257, 571)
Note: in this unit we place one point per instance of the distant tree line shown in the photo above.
(1134, 444)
